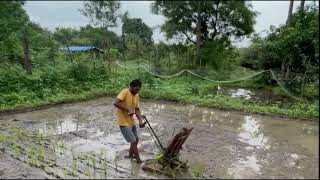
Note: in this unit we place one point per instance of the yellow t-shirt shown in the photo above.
(129, 101)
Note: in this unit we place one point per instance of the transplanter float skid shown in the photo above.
(168, 163)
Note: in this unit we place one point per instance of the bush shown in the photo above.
(80, 71)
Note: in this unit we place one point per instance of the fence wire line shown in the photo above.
(231, 81)
(225, 81)
(146, 69)
(284, 89)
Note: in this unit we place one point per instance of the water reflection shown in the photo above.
(246, 94)
(252, 133)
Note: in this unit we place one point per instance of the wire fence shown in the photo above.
(216, 81)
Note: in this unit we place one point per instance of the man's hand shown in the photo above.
(142, 125)
(130, 112)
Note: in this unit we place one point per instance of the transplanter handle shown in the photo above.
(153, 133)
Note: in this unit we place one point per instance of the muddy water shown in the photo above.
(222, 144)
(251, 94)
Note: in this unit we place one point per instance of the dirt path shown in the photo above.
(81, 140)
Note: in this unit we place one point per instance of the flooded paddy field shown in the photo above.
(82, 140)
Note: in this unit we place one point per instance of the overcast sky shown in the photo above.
(52, 14)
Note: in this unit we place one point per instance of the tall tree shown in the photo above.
(137, 27)
(101, 13)
(290, 10)
(302, 5)
(217, 19)
(293, 47)
(12, 17)
(26, 49)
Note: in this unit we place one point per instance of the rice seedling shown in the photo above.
(62, 147)
(16, 150)
(74, 166)
(18, 133)
(88, 160)
(31, 154)
(93, 160)
(101, 155)
(88, 173)
(116, 159)
(54, 153)
(2, 138)
(197, 171)
(40, 157)
(104, 166)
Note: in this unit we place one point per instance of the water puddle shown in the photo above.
(251, 94)
(252, 133)
(223, 144)
(246, 94)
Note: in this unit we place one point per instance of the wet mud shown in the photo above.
(82, 140)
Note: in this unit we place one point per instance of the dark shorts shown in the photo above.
(129, 133)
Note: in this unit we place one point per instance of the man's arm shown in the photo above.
(119, 105)
(138, 114)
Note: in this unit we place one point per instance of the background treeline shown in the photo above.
(34, 70)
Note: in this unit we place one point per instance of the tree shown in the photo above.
(208, 20)
(135, 26)
(12, 18)
(26, 49)
(101, 13)
(216, 18)
(302, 5)
(290, 10)
(292, 49)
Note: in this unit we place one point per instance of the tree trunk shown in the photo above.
(169, 63)
(283, 70)
(124, 49)
(70, 55)
(302, 5)
(26, 51)
(304, 80)
(287, 72)
(290, 10)
(198, 35)
(138, 58)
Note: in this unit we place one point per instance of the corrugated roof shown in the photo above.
(80, 48)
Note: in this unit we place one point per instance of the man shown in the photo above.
(127, 103)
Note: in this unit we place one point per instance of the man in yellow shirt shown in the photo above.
(127, 103)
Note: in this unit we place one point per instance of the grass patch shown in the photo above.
(72, 83)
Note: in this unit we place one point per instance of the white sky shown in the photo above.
(52, 14)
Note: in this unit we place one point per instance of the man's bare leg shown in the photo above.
(136, 152)
(131, 153)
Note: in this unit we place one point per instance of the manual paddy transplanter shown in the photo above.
(169, 159)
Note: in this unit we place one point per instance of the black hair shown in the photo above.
(135, 83)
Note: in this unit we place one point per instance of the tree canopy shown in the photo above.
(135, 26)
(218, 19)
(101, 13)
(12, 17)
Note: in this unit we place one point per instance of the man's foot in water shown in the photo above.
(128, 157)
(139, 161)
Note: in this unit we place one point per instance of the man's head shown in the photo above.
(135, 86)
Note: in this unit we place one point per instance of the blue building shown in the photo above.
(82, 49)
(94, 51)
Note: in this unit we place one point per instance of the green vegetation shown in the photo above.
(34, 72)
(78, 81)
